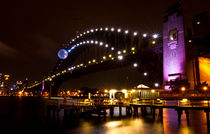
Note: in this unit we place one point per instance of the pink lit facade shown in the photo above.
(174, 56)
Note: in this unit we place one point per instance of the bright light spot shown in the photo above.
(124, 90)
(126, 31)
(198, 22)
(88, 31)
(120, 57)
(106, 29)
(119, 52)
(156, 85)
(133, 48)
(92, 30)
(190, 41)
(153, 91)
(183, 88)
(89, 62)
(113, 91)
(96, 29)
(106, 45)
(101, 29)
(184, 100)
(110, 56)
(135, 33)
(135, 65)
(145, 74)
(96, 42)
(118, 30)
(80, 34)
(81, 65)
(112, 29)
(88, 41)
(104, 57)
(106, 91)
(72, 39)
(112, 48)
(205, 88)
(101, 43)
(132, 91)
(94, 60)
(84, 33)
(155, 36)
(91, 41)
(124, 51)
(153, 42)
(144, 35)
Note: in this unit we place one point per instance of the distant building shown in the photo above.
(4, 83)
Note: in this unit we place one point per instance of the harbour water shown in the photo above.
(27, 115)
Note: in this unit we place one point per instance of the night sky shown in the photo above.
(31, 32)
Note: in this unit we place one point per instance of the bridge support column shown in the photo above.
(120, 111)
(187, 115)
(135, 109)
(153, 112)
(161, 113)
(179, 112)
(111, 111)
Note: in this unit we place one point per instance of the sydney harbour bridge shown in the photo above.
(106, 48)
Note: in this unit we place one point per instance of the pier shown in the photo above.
(79, 107)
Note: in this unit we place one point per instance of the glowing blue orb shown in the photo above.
(62, 54)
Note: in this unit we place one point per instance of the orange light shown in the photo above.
(183, 89)
(106, 91)
(205, 88)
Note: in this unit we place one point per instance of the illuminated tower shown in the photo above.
(174, 57)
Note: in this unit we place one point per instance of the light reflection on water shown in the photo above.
(29, 115)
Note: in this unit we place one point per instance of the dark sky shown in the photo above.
(32, 31)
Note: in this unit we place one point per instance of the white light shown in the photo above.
(155, 36)
(80, 43)
(106, 45)
(120, 57)
(77, 44)
(77, 36)
(101, 43)
(106, 29)
(69, 69)
(145, 73)
(96, 42)
(126, 31)
(96, 29)
(112, 48)
(112, 29)
(144, 35)
(101, 29)
(156, 85)
(119, 52)
(135, 65)
(92, 30)
(91, 41)
(88, 41)
(80, 34)
(84, 42)
(118, 30)
(88, 31)
(72, 39)
(84, 33)
(135, 33)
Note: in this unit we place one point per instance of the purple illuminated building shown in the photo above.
(174, 57)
